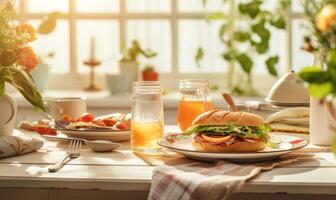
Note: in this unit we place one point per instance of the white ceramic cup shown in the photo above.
(72, 106)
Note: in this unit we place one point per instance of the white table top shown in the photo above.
(121, 170)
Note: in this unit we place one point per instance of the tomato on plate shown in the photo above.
(121, 126)
(68, 118)
(45, 130)
(99, 122)
(86, 117)
(109, 122)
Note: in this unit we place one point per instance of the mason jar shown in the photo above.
(147, 116)
(194, 100)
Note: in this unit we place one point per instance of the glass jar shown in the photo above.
(147, 116)
(194, 100)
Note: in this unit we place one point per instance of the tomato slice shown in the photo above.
(44, 130)
(109, 122)
(121, 126)
(68, 118)
(86, 117)
(99, 122)
(216, 140)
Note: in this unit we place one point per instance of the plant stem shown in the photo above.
(231, 25)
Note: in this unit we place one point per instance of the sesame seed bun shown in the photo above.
(223, 117)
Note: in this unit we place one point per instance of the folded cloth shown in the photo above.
(294, 120)
(12, 145)
(205, 181)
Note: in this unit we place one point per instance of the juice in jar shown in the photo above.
(144, 136)
(189, 110)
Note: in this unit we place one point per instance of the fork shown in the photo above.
(72, 153)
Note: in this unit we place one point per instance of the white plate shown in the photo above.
(182, 144)
(114, 136)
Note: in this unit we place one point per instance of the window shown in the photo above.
(299, 58)
(173, 28)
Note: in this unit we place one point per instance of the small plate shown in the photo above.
(181, 143)
(287, 104)
(114, 136)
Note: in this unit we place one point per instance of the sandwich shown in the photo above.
(223, 131)
(293, 120)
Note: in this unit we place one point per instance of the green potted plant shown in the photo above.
(129, 63)
(321, 76)
(149, 73)
(17, 60)
(243, 44)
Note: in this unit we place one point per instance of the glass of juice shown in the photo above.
(194, 100)
(147, 124)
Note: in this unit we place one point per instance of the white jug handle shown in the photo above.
(13, 105)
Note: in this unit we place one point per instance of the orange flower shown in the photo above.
(326, 18)
(27, 58)
(26, 29)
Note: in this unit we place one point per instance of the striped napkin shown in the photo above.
(18, 144)
(205, 181)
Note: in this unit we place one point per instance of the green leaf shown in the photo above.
(314, 75)
(285, 3)
(222, 31)
(264, 34)
(148, 53)
(319, 91)
(262, 47)
(334, 145)
(245, 62)
(270, 63)
(199, 56)
(21, 82)
(216, 16)
(252, 8)
(2, 84)
(242, 36)
(229, 55)
(237, 91)
(331, 58)
(279, 22)
(48, 25)
(260, 30)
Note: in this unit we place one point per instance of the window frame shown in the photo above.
(75, 80)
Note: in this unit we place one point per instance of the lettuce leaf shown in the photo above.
(238, 131)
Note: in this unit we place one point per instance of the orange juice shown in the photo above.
(189, 110)
(144, 136)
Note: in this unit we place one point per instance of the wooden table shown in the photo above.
(123, 175)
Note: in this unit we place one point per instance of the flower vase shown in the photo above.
(8, 109)
(322, 121)
(130, 71)
(41, 76)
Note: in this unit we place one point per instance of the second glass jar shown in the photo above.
(194, 100)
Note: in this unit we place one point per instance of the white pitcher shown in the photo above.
(8, 110)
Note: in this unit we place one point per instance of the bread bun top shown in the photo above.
(223, 117)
